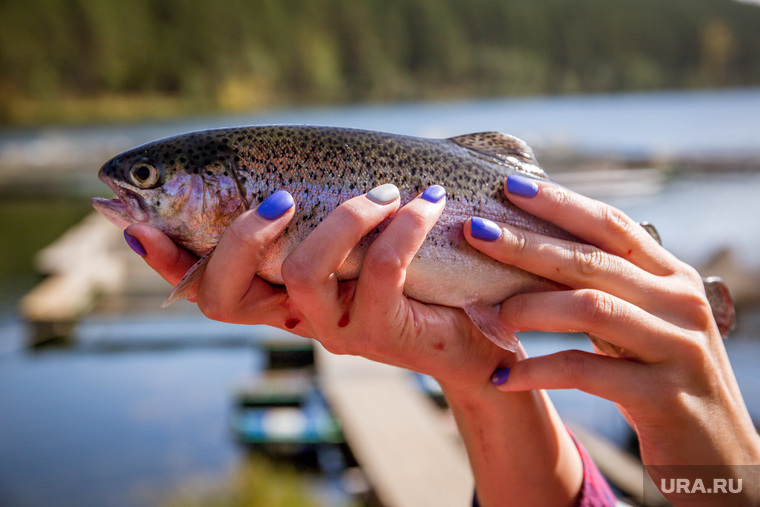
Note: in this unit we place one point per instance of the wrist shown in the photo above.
(520, 436)
(471, 381)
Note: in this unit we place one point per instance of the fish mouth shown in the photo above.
(126, 209)
(114, 210)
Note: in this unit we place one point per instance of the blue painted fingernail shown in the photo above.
(500, 376)
(135, 245)
(484, 229)
(275, 205)
(383, 194)
(521, 185)
(434, 193)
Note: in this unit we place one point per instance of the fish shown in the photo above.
(192, 186)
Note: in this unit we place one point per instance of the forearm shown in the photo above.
(519, 450)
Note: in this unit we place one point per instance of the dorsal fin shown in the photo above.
(504, 148)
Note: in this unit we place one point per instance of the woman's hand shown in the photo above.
(230, 291)
(372, 317)
(672, 380)
(519, 450)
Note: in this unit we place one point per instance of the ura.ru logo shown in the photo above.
(680, 486)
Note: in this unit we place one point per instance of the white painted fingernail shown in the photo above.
(383, 194)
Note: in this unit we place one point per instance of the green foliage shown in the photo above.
(257, 482)
(243, 54)
(28, 224)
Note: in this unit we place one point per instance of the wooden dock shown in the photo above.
(79, 265)
(90, 260)
(408, 449)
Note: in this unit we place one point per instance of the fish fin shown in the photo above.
(504, 148)
(721, 303)
(607, 347)
(188, 286)
(652, 231)
(486, 319)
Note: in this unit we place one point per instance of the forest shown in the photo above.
(83, 60)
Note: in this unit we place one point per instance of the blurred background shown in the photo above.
(81, 61)
(652, 105)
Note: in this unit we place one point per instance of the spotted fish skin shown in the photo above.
(203, 180)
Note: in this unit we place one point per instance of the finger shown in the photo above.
(161, 253)
(641, 334)
(309, 271)
(569, 263)
(592, 221)
(383, 274)
(602, 376)
(226, 290)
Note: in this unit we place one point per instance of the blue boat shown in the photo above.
(285, 412)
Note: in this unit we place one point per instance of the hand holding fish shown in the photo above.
(192, 187)
(372, 317)
(345, 316)
(231, 292)
(667, 368)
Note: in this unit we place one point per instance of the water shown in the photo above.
(119, 429)
(139, 405)
(711, 123)
(697, 215)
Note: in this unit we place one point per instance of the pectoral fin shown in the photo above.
(487, 320)
(188, 286)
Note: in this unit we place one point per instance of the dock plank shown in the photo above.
(79, 266)
(89, 260)
(408, 454)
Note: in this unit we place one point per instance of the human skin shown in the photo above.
(673, 381)
(519, 450)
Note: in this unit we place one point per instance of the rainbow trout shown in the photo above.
(192, 186)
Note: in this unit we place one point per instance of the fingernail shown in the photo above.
(275, 205)
(434, 193)
(383, 194)
(521, 185)
(500, 376)
(135, 245)
(482, 228)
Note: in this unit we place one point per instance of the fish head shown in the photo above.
(185, 186)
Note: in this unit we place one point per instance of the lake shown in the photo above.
(139, 405)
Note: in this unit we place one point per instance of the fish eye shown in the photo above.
(144, 175)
